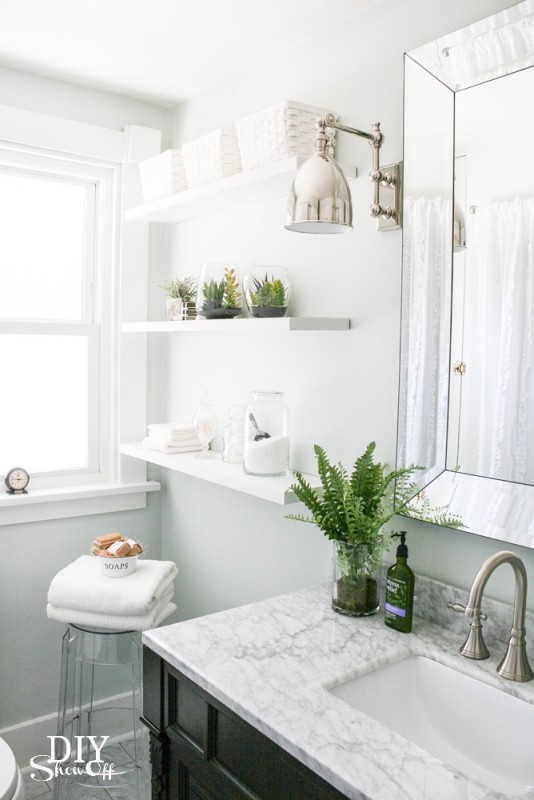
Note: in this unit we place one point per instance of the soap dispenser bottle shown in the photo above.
(400, 585)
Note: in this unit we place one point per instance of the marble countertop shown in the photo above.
(272, 663)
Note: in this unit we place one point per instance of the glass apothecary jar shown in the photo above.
(266, 445)
(218, 293)
(267, 290)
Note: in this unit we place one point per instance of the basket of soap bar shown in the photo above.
(117, 556)
(211, 157)
(280, 131)
(162, 175)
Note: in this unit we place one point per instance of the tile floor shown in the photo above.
(119, 754)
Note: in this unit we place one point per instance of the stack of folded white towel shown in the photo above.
(82, 595)
(170, 437)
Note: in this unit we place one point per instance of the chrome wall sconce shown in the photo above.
(320, 200)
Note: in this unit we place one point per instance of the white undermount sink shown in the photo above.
(481, 731)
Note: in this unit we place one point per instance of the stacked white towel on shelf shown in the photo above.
(81, 594)
(170, 437)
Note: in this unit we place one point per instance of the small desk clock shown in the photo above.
(17, 480)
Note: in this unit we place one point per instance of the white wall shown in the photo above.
(341, 387)
(33, 553)
(63, 99)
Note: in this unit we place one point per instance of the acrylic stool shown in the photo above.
(93, 661)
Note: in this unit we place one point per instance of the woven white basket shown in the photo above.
(162, 175)
(280, 131)
(213, 156)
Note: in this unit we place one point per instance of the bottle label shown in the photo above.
(396, 597)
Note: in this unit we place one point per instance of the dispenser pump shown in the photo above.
(402, 549)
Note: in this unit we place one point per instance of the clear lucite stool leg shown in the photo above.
(92, 661)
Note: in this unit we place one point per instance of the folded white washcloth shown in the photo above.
(171, 428)
(114, 622)
(174, 441)
(151, 443)
(82, 587)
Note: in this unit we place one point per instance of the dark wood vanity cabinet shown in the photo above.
(200, 750)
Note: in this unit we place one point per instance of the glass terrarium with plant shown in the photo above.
(218, 292)
(267, 291)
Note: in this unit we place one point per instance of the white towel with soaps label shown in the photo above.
(81, 586)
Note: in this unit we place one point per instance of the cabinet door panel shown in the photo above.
(197, 792)
(188, 711)
(261, 765)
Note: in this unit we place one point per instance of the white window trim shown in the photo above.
(103, 153)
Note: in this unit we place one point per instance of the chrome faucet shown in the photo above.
(514, 665)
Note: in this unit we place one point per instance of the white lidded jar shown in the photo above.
(266, 445)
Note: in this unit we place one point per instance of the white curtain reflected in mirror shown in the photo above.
(426, 291)
(497, 407)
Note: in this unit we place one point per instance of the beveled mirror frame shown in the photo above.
(498, 509)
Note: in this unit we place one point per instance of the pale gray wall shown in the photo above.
(67, 100)
(33, 553)
(342, 388)
(30, 644)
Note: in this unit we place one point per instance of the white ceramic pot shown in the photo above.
(117, 567)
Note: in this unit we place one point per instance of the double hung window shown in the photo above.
(56, 339)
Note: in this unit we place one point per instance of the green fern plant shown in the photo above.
(352, 508)
(414, 503)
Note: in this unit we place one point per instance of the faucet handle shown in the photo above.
(461, 609)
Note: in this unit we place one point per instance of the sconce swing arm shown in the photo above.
(389, 180)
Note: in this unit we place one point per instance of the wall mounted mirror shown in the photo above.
(466, 408)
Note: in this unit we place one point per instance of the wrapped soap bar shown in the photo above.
(119, 549)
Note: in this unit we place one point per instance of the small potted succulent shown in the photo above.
(218, 293)
(267, 291)
(180, 300)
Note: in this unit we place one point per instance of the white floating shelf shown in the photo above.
(264, 183)
(253, 186)
(245, 324)
(215, 470)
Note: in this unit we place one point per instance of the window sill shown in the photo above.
(74, 501)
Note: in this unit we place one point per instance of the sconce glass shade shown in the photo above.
(319, 201)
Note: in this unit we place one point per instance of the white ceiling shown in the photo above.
(164, 51)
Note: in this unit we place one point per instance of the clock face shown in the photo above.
(17, 479)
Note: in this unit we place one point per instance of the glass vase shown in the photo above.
(218, 292)
(266, 444)
(356, 578)
(267, 290)
(233, 436)
(205, 425)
